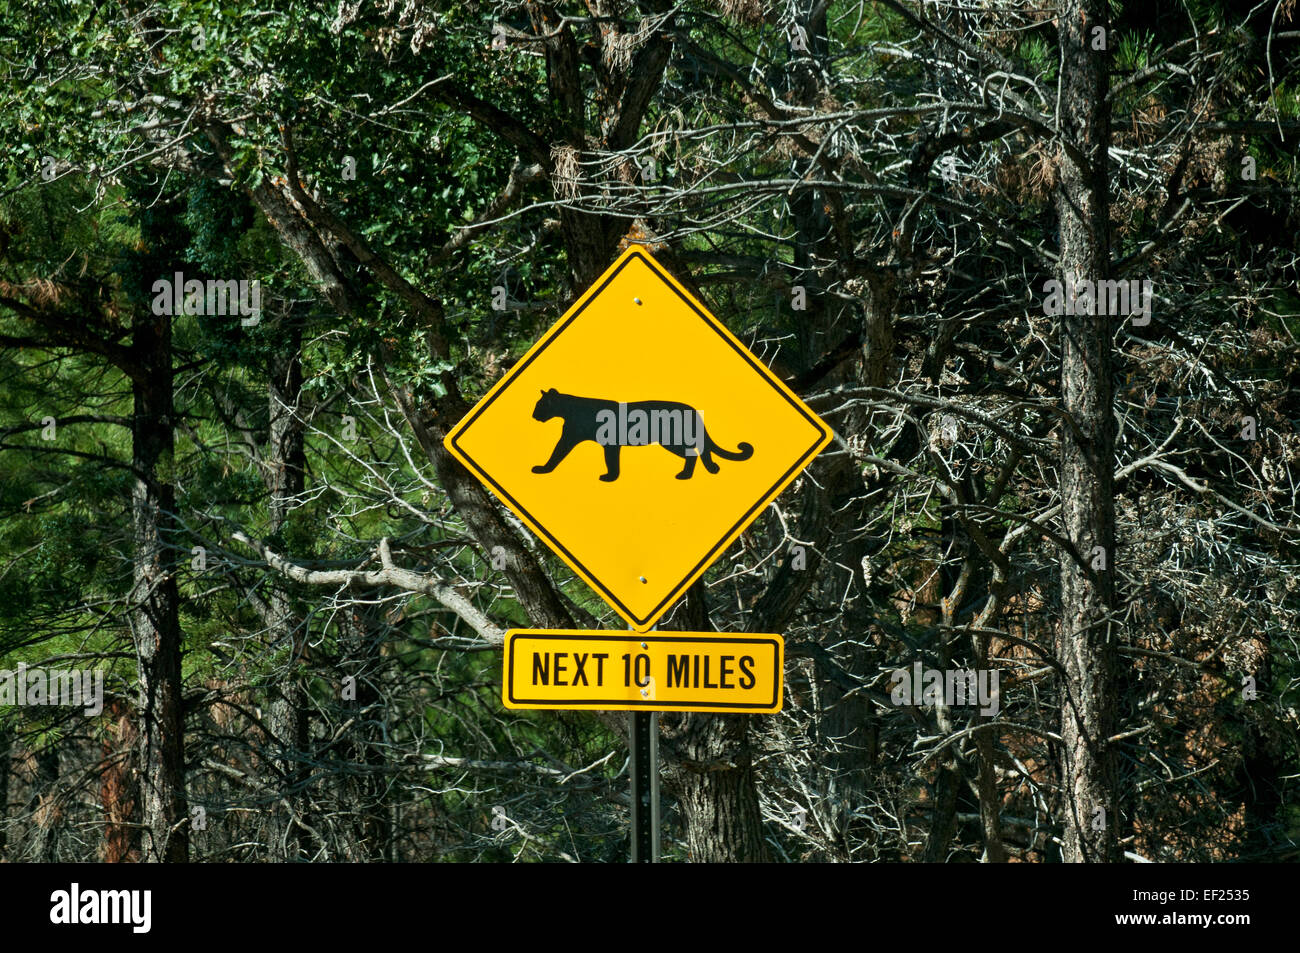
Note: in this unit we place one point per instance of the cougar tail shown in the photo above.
(742, 452)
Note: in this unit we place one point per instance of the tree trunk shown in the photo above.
(118, 791)
(45, 804)
(710, 768)
(288, 717)
(155, 619)
(1088, 634)
(367, 837)
(716, 789)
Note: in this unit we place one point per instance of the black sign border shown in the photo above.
(561, 635)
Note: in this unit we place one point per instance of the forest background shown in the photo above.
(249, 523)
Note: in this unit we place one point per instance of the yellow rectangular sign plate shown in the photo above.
(610, 671)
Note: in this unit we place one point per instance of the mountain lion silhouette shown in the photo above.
(677, 427)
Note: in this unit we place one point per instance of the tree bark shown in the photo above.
(710, 769)
(118, 791)
(155, 620)
(1088, 633)
(716, 790)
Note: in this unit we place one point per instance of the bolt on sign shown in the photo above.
(610, 671)
(638, 438)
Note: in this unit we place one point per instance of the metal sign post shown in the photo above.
(645, 786)
(643, 766)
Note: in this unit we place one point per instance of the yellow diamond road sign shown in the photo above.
(638, 438)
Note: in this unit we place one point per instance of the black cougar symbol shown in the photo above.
(676, 427)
